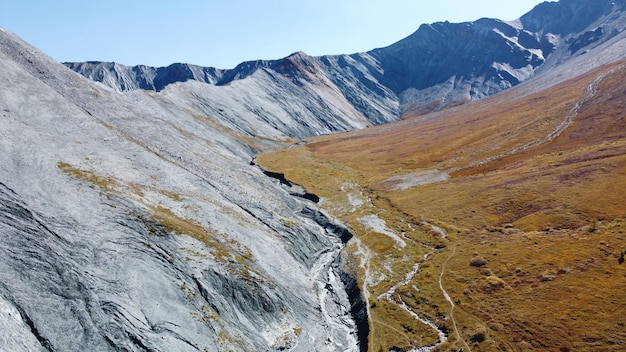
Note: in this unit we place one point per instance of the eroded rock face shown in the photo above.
(128, 222)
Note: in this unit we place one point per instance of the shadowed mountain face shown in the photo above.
(556, 17)
(440, 65)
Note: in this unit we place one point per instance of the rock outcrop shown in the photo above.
(129, 222)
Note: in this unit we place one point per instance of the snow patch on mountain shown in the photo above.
(520, 74)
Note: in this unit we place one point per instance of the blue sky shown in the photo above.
(223, 33)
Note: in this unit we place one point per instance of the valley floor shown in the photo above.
(517, 247)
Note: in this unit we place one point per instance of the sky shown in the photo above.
(224, 33)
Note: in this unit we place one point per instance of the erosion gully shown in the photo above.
(390, 295)
(329, 273)
(331, 277)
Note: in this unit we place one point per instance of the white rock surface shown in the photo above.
(85, 262)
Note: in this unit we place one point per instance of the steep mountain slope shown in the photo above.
(295, 95)
(440, 65)
(464, 216)
(455, 63)
(130, 223)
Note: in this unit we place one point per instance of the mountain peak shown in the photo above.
(298, 54)
(296, 63)
(569, 16)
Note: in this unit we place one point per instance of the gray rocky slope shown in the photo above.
(440, 65)
(134, 220)
(128, 222)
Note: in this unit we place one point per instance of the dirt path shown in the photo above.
(390, 296)
(592, 89)
(447, 296)
(435, 175)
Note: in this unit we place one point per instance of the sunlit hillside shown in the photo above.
(496, 225)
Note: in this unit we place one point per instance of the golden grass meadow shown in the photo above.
(512, 206)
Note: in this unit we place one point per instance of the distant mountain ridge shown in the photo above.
(145, 77)
(440, 65)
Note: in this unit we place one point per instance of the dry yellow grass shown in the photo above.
(222, 248)
(547, 218)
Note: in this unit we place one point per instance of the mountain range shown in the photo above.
(134, 214)
(440, 65)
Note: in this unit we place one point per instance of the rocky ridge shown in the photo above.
(440, 65)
